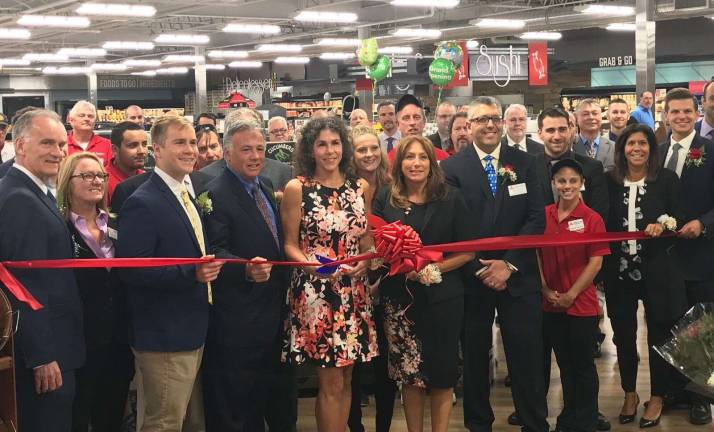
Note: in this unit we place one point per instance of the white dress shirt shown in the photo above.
(686, 143)
(40, 184)
(521, 144)
(177, 187)
(496, 154)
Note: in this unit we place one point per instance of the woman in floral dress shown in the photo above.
(324, 212)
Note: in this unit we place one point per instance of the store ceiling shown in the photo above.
(377, 18)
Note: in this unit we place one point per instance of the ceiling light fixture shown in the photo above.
(496, 23)
(142, 63)
(337, 56)
(109, 67)
(14, 62)
(344, 42)
(279, 48)
(442, 4)
(547, 36)
(215, 67)
(622, 27)
(332, 17)
(172, 71)
(182, 58)
(245, 64)
(65, 70)
(54, 21)
(82, 52)
(395, 50)
(417, 33)
(116, 10)
(14, 33)
(45, 57)
(472, 44)
(600, 9)
(145, 73)
(128, 45)
(292, 60)
(182, 39)
(252, 28)
(221, 54)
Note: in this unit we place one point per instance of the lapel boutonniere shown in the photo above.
(507, 173)
(696, 157)
(205, 204)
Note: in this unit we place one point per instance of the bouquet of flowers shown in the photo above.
(691, 349)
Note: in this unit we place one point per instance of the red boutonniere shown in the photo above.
(507, 172)
(696, 157)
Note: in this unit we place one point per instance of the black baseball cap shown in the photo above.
(566, 163)
(408, 99)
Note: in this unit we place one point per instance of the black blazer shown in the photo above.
(666, 297)
(5, 166)
(103, 298)
(124, 189)
(435, 139)
(532, 147)
(244, 313)
(31, 228)
(502, 215)
(168, 307)
(447, 220)
(595, 193)
(697, 255)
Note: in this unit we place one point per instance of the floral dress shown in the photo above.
(330, 319)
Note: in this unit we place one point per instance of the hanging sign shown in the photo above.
(538, 64)
(500, 65)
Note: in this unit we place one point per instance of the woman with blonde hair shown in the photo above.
(369, 160)
(103, 381)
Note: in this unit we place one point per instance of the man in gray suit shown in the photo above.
(591, 142)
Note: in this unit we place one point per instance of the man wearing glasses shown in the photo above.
(591, 142)
(502, 190)
(278, 129)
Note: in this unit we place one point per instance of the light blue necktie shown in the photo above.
(490, 173)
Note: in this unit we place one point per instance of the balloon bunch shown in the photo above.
(378, 66)
(447, 58)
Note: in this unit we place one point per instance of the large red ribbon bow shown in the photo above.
(400, 246)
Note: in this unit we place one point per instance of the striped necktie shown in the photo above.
(193, 218)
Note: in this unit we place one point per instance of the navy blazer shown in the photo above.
(502, 215)
(244, 313)
(31, 228)
(168, 307)
(130, 185)
(697, 255)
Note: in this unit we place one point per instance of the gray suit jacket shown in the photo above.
(605, 152)
(277, 172)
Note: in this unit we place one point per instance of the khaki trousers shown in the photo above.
(165, 383)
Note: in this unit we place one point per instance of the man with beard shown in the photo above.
(387, 118)
(618, 113)
(82, 117)
(644, 112)
(459, 132)
(130, 147)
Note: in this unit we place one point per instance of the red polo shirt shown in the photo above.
(562, 265)
(100, 146)
(116, 176)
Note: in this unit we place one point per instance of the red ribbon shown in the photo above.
(400, 246)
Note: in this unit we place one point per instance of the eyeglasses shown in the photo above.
(89, 177)
(278, 131)
(483, 120)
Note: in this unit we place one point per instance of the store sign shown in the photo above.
(500, 65)
(461, 77)
(615, 61)
(538, 64)
(135, 83)
(280, 151)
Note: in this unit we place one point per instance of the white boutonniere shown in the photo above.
(668, 222)
(205, 204)
(507, 172)
(429, 275)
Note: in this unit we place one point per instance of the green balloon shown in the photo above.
(441, 71)
(367, 53)
(380, 69)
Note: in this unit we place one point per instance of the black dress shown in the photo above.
(423, 323)
(646, 271)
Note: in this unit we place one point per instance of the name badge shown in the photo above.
(517, 189)
(576, 225)
(112, 233)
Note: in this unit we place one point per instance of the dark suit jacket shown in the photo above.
(595, 193)
(244, 313)
(697, 256)
(502, 215)
(532, 147)
(697, 127)
(31, 228)
(447, 220)
(168, 307)
(130, 185)
(435, 139)
(277, 172)
(665, 297)
(5, 166)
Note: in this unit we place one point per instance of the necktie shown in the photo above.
(592, 151)
(672, 164)
(193, 218)
(518, 147)
(490, 173)
(51, 197)
(264, 211)
(390, 144)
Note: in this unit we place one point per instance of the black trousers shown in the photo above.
(522, 331)
(622, 302)
(48, 412)
(102, 388)
(572, 339)
(281, 415)
(385, 388)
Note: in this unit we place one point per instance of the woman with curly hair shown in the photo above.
(324, 213)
